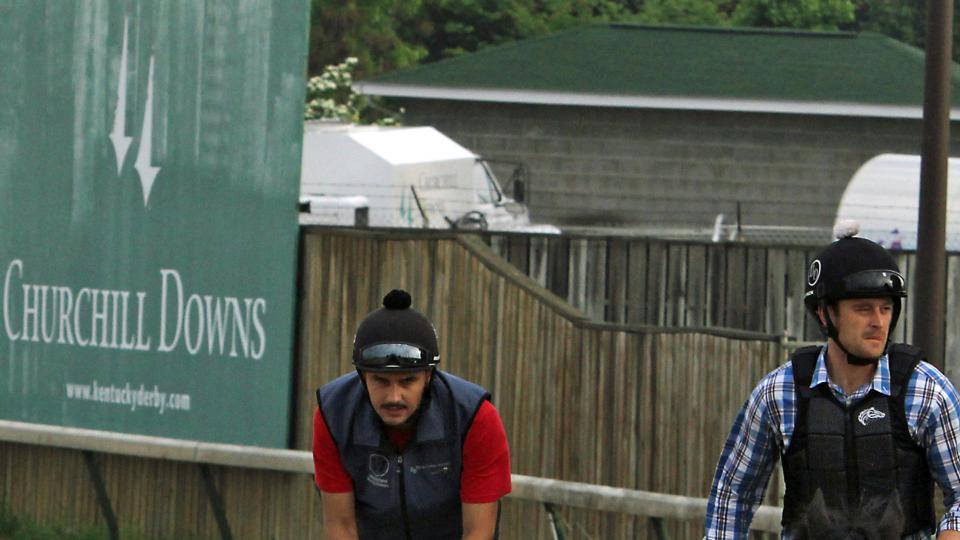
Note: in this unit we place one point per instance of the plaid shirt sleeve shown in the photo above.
(747, 460)
(932, 406)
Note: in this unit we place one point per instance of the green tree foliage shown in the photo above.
(364, 29)
(686, 12)
(903, 20)
(806, 14)
(385, 35)
(331, 96)
(450, 27)
(447, 28)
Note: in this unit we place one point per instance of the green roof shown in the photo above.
(621, 61)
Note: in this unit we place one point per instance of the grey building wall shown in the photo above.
(609, 166)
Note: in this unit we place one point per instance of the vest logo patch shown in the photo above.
(378, 466)
(434, 468)
(870, 415)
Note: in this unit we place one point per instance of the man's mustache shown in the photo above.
(393, 405)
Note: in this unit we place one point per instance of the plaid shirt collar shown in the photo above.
(880, 382)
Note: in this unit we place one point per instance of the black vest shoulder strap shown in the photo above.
(803, 361)
(903, 360)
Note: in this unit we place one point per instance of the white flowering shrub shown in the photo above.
(331, 96)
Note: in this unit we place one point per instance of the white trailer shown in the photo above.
(884, 194)
(408, 177)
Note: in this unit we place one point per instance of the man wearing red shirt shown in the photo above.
(402, 449)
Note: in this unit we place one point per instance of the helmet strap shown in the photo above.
(852, 359)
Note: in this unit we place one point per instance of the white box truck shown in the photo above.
(401, 177)
(883, 196)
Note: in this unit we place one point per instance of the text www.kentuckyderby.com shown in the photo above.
(128, 396)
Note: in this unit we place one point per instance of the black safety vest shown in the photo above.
(413, 494)
(861, 459)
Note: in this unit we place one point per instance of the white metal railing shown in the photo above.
(558, 492)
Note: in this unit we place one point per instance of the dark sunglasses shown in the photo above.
(396, 355)
(886, 282)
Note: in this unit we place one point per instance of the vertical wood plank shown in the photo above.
(755, 302)
(577, 286)
(656, 285)
(595, 280)
(559, 253)
(696, 286)
(736, 286)
(617, 275)
(718, 290)
(776, 280)
(797, 321)
(637, 283)
(675, 288)
(539, 260)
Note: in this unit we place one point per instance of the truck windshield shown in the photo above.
(485, 183)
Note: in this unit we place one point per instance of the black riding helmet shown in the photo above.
(853, 267)
(395, 338)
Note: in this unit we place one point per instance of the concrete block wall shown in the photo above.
(611, 166)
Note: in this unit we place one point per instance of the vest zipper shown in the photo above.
(403, 501)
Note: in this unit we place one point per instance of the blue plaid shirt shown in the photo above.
(762, 430)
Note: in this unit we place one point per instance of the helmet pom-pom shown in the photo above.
(397, 299)
(846, 228)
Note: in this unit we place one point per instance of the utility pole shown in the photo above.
(930, 274)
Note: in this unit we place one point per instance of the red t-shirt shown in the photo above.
(486, 459)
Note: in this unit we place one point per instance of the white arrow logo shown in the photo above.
(144, 167)
(121, 143)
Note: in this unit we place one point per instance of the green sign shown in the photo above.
(149, 170)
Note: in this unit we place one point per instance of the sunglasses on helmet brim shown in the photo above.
(396, 356)
(881, 282)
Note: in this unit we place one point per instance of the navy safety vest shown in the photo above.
(861, 459)
(414, 494)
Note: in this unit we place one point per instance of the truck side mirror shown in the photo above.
(519, 190)
(361, 216)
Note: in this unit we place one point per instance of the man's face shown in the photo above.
(396, 396)
(863, 324)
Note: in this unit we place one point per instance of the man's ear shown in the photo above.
(825, 310)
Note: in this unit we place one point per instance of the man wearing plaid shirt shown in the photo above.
(864, 427)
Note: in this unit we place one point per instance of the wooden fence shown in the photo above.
(92, 445)
(679, 283)
(625, 406)
(155, 498)
(637, 407)
(668, 283)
